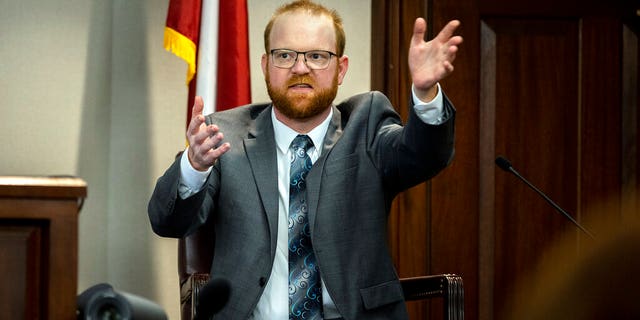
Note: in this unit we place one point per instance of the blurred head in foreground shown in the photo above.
(600, 281)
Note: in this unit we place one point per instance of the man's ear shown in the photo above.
(343, 65)
(263, 63)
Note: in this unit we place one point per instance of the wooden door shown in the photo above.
(552, 86)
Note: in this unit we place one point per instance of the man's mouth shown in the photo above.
(301, 86)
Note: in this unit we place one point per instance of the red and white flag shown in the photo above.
(212, 37)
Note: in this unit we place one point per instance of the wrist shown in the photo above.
(428, 94)
(425, 95)
(195, 165)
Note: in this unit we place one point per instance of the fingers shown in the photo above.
(452, 49)
(206, 147)
(213, 154)
(211, 148)
(208, 137)
(446, 33)
(419, 29)
(198, 105)
(197, 119)
(204, 140)
(432, 61)
(448, 66)
(450, 42)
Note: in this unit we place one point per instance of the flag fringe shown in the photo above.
(183, 47)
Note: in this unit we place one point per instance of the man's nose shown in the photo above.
(300, 66)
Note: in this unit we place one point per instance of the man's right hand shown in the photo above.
(204, 140)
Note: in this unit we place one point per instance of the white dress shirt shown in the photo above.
(274, 302)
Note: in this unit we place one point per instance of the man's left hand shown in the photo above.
(432, 61)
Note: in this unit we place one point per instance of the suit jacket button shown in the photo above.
(263, 281)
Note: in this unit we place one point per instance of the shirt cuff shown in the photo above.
(431, 112)
(191, 180)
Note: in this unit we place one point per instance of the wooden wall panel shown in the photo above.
(601, 117)
(535, 124)
(553, 86)
(21, 254)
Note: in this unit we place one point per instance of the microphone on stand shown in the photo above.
(505, 165)
(211, 298)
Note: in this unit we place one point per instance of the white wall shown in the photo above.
(86, 89)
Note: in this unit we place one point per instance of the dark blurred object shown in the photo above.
(599, 282)
(212, 298)
(102, 302)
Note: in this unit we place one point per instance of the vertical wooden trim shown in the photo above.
(600, 133)
(486, 199)
(629, 124)
(579, 115)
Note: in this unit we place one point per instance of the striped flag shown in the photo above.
(182, 30)
(221, 57)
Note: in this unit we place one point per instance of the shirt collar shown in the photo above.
(285, 135)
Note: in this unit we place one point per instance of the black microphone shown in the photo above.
(505, 165)
(211, 298)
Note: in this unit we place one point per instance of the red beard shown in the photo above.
(301, 106)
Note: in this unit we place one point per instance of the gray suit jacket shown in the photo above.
(367, 158)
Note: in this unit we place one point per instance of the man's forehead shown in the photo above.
(299, 21)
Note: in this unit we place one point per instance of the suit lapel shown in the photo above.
(314, 179)
(261, 152)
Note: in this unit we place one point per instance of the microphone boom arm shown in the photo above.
(504, 164)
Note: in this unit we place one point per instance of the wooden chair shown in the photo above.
(195, 253)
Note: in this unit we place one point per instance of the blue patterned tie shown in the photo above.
(305, 295)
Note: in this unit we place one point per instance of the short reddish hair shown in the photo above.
(313, 9)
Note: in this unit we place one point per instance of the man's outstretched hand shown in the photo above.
(204, 140)
(432, 61)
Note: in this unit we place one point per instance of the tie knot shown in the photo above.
(301, 142)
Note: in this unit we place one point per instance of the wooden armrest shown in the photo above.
(447, 286)
(189, 289)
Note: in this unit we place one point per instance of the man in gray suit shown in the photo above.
(325, 199)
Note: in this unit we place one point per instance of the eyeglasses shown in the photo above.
(315, 59)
